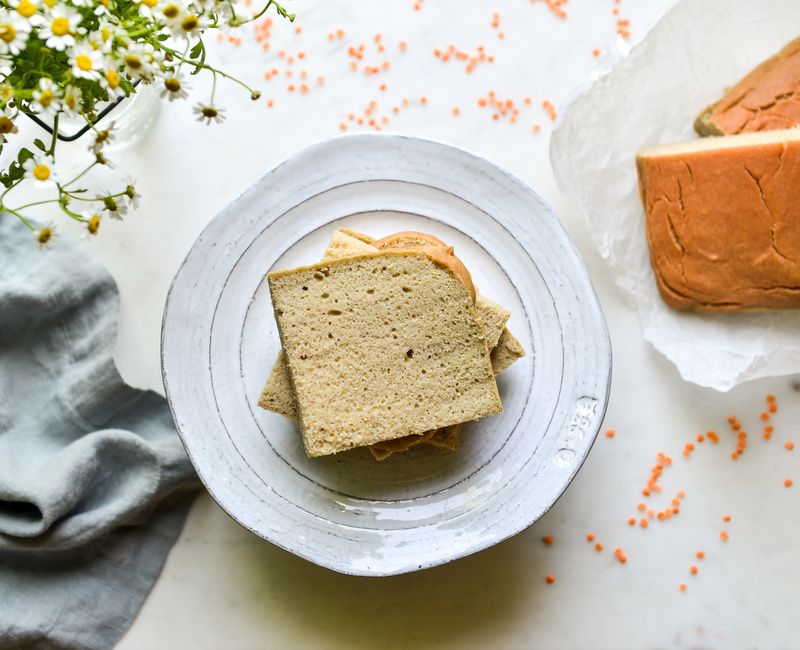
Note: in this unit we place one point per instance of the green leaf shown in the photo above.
(23, 155)
(39, 144)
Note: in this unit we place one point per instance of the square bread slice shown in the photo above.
(723, 220)
(379, 347)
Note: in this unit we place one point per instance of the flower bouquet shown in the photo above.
(76, 58)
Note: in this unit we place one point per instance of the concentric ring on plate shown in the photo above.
(424, 507)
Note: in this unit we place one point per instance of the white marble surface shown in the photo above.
(222, 587)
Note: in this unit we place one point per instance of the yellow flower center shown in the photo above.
(26, 8)
(93, 225)
(84, 62)
(209, 111)
(113, 79)
(105, 33)
(6, 125)
(44, 235)
(6, 92)
(133, 61)
(59, 26)
(171, 11)
(189, 23)
(70, 101)
(150, 3)
(50, 3)
(46, 98)
(41, 172)
(7, 32)
(172, 84)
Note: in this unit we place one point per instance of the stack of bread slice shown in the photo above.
(723, 212)
(385, 344)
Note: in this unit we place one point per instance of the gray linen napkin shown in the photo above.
(94, 482)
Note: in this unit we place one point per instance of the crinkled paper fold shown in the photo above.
(651, 96)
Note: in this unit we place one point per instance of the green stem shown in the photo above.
(79, 176)
(30, 205)
(205, 66)
(27, 223)
(52, 150)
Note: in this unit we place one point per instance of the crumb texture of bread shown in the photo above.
(278, 395)
(723, 221)
(381, 347)
(506, 352)
(494, 319)
(767, 98)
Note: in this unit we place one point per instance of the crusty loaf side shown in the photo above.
(425, 243)
(394, 336)
(767, 98)
(507, 351)
(723, 221)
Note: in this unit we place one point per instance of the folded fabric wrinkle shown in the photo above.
(94, 483)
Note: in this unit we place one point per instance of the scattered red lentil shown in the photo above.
(550, 579)
(595, 52)
(682, 587)
(643, 523)
(723, 536)
(456, 111)
(700, 555)
(632, 521)
(598, 547)
(547, 539)
(768, 429)
(610, 433)
(589, 537)
(788, 483)
(789, 445)
(765, 416)
(693, 569)
(726, 518)
(621, 557)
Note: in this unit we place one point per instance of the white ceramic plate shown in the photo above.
(418, 509)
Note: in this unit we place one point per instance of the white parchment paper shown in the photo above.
(652, 96)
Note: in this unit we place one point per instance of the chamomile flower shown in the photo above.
(86, 62)
(102, 38)
(14, 32)
(45, 97)
(130, 191)
(43, 237)
(102, 138)
(169, 11)
(92, 219)
(28, 10)
(60, 26)
(174, 86)
(116, 206)
(103, 8)
(7, 123)
(209, 113)
(139, 60)
(69, 102)
(40, 169)
(147, 8)
(111, 81)
(6, 92)
(187, 25)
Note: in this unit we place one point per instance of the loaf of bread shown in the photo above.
(767, 98)
(277, 395)
(394, 336)
(723, 220)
